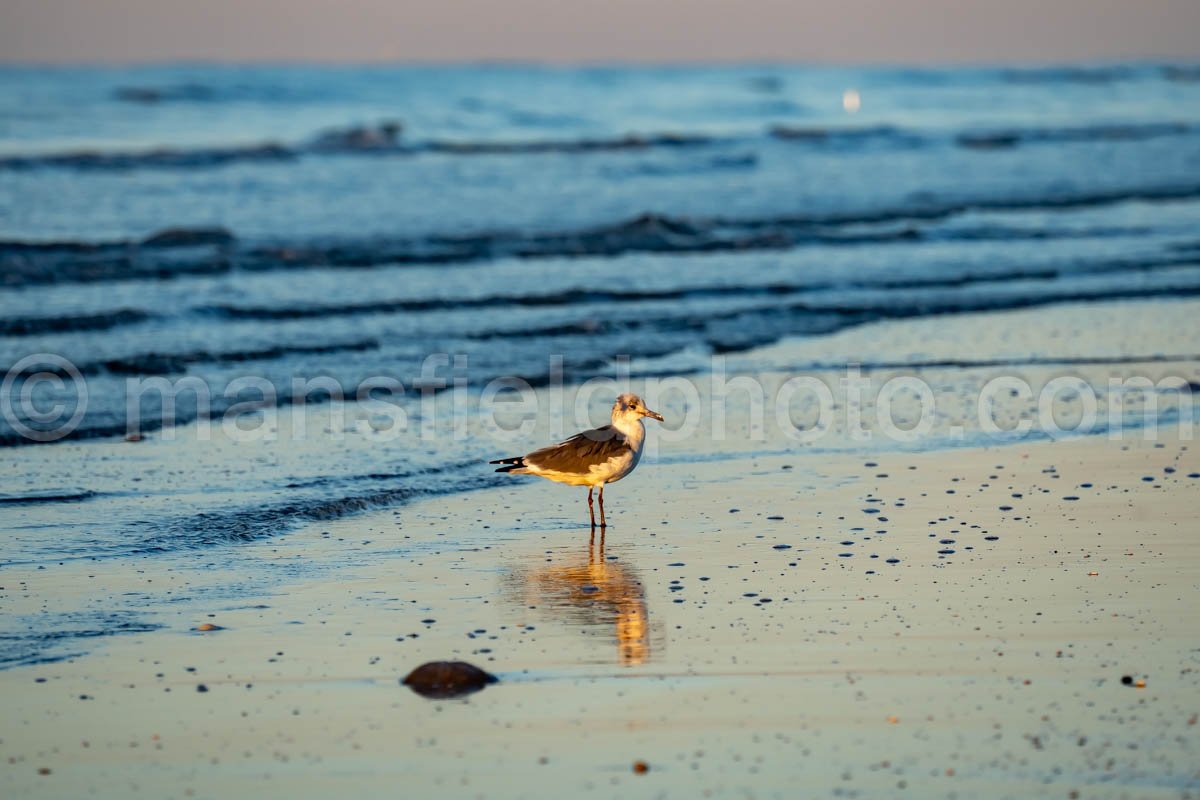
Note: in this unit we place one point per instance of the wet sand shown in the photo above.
(949, 623)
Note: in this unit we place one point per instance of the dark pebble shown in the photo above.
(441, 679)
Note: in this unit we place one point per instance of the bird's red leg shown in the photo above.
(592, 511)
(603, 524)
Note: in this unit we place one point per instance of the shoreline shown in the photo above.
(139, 512)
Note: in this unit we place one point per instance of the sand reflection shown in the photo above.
(593, 591)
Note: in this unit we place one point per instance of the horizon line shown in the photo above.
(602, 63)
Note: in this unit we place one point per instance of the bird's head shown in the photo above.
(630, 407)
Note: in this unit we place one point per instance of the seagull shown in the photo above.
(592, 458)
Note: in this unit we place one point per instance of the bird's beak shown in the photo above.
(653, 415)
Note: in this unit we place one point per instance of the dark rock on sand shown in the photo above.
(440, 679)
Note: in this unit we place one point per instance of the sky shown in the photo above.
(570, 31)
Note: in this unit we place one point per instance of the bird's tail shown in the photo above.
(510, 464)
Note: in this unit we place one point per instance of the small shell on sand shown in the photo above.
(441, 679)
(205, 627)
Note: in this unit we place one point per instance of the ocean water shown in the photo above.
(276, 222)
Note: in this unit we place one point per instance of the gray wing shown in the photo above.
(577, 454)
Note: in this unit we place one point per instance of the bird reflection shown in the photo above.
(596, 593)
